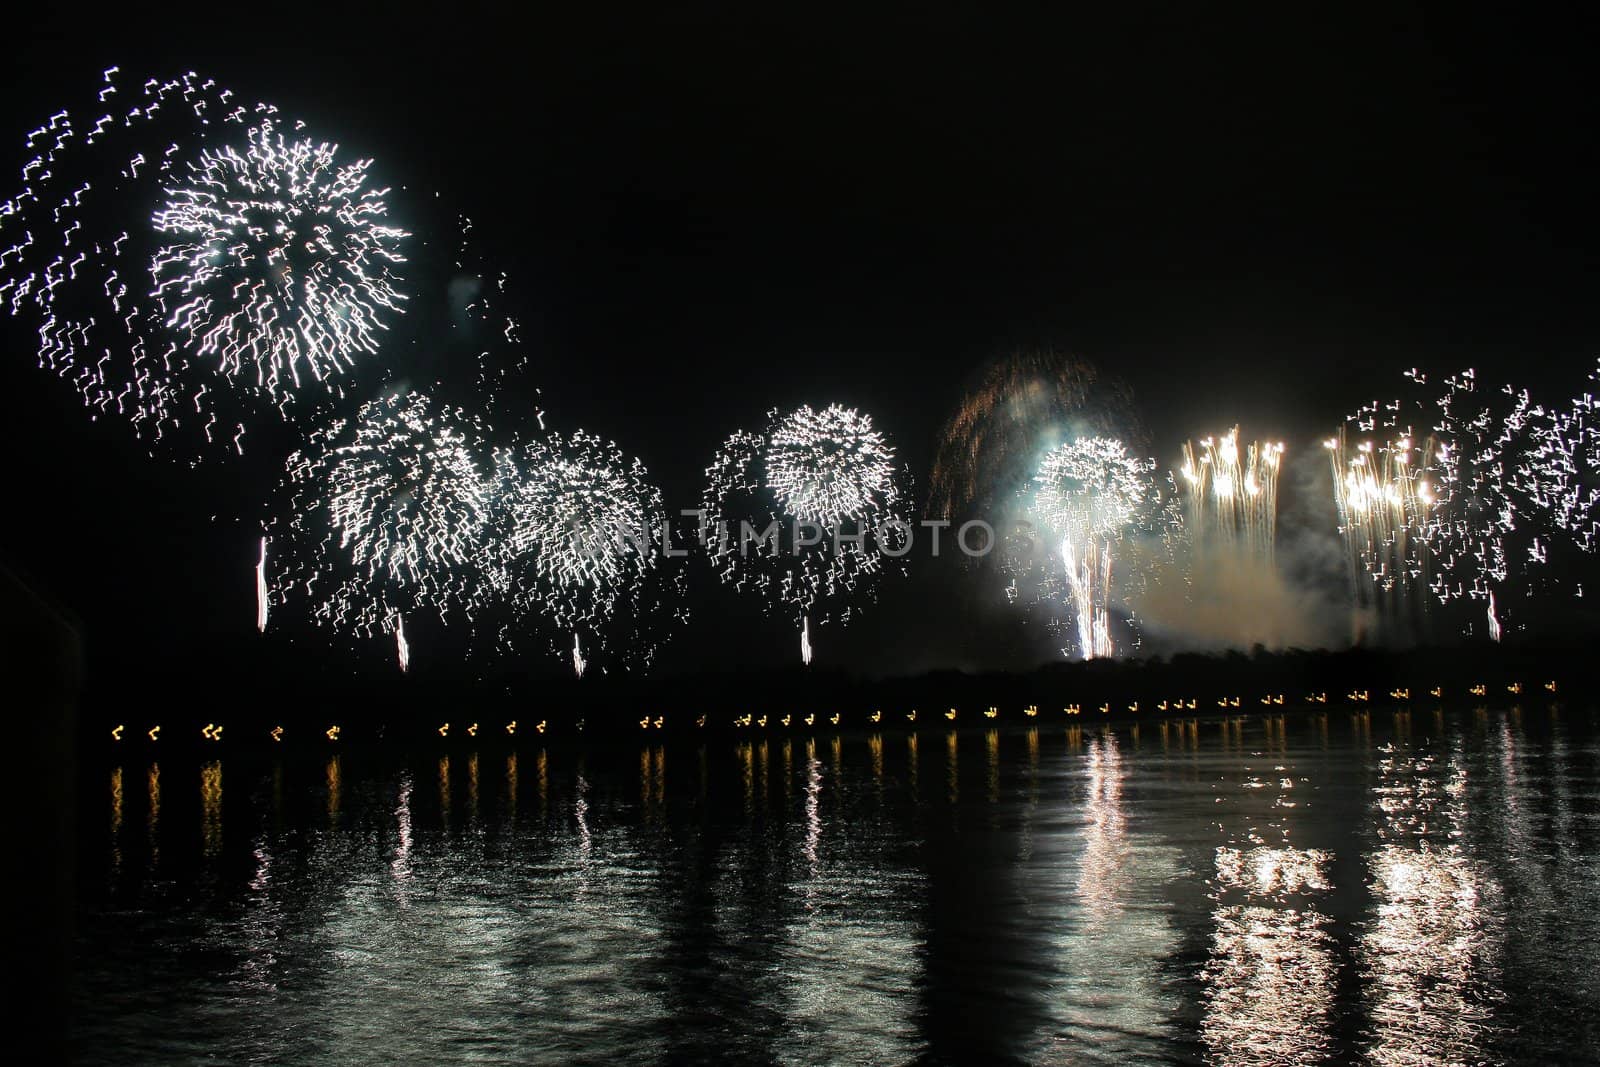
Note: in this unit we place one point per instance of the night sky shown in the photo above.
(1257, 220)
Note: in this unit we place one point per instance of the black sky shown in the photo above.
(1258, 218)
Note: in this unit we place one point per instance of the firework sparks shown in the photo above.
(1563, 477)
(189, 261)
(1232, 498)
(825, 478)
(390, 514)
(585, 540)
(1466, 512)
(277, 262)
(480, 315)
(1090, 493)
(1386, 498)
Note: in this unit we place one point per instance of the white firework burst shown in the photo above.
(390, 517)
(807, 513)
(584, 543)
(1091, 487)
(277, 262)
(826, 466)
(188, 261)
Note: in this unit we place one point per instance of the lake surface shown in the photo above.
(1392, 887)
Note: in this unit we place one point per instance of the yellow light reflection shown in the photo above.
(542, 765)
(511, 786)
(952, 768)
(335, 788)
(911, 763)
(991, 747)
(153, 809)
(211, 806)
(444, 787)
(116, 800)
(116, 819)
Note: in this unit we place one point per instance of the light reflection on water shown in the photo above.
(1429, 950)
(1272, 968)
(1371, 887)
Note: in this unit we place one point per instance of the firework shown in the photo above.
(1017, 408)
(1386, 498)
(1090, 493)
(277, 263)
(584, 542)
(827, 481)
(1563, 475)
(1232, 499)
(1459, 497)
(189, 261)
(389, 517)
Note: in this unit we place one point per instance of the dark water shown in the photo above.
(1399, 888)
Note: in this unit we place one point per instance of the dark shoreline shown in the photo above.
(600, 709)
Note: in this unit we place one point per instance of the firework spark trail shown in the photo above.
(187, 263)
(1088, 584)
(388, 518)
(1467, 512)
(584, 542)
(1232, 501)
(1091, 494)
(401, 645)
(827, 478)
(261, 589)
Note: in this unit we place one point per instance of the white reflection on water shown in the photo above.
(1272, 963)
(400, 867)
(848, 963)
(1103, 877)
(1072, 906)
(580, 813)
(1429, 956)
(1273, 871)
(813, 798)
(486, 946)
(1542, 788)
(1107, 998)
